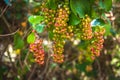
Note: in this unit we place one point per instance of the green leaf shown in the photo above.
(34, 19)
(74, 20)
(34, 26)
(82, 67)
(83, 44)
(107, 29)
(52, 4)
(94, 14)
(80, 7)
(97, 22)
(114, 61)
(101, 23)
(106, 4)
(31, 38)
(51, 34)
(101, 4)
(53, 65)
(18, 42)
(39, 28)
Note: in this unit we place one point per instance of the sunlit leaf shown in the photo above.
(39, 28)
(97, 22)
(114, 61)
(31, 38)
(34, 19)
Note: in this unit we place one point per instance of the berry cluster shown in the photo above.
(69, 33)
(58, 50)
(58, 58)
(85, 26)
(56, 21)
(61, 32)
(49, 15)
(38, 51)
(61, 23)
(97, 44)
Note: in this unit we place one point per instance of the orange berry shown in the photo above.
(24, 24)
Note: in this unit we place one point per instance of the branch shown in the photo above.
(4, 35)
(7, 23)
(99, 69)
(29, 78)
(4, 10)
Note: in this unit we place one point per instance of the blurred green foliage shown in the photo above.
(77, 65)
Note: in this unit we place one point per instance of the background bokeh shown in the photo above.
(17, 63)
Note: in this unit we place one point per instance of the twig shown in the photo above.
(4, 35)
(19, 59)
(6, 22)
(25, 60)
(46, 66)
(26, 33)
(99, 69)
(4, 10)
(67, 62)
(29, 78)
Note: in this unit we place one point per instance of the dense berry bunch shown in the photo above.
(38, 51)
(58, 58)
(97, 44)
(86, 28)
(69, 33)
(60, 32)
(57, 24)
(58, 50)
(49, 15)
(61, 23)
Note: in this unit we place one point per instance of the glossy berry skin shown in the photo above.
(86, 29)
(57, 22)
(83, 30)
(49, 15)
(59, 58)
(38, 51)
(97, 44)
(62, 31)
